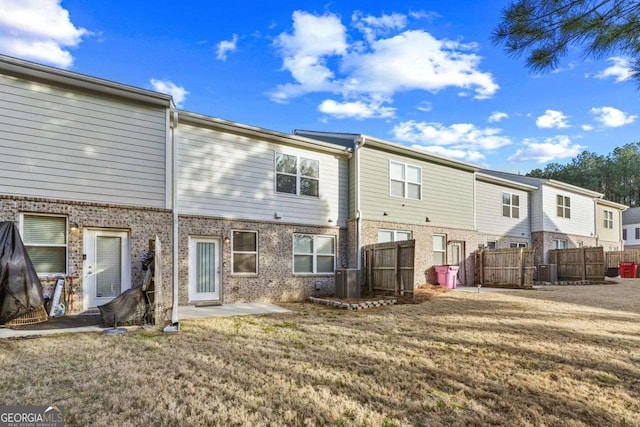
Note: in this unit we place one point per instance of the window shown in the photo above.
(515, 245)
(439, 249)
(45, 239)
(637, 233)
(492, 244)
(564, 206)
(297, 175)
(393, 236)
(608, 219)
(624, 234)
(244, 252)
(405, 180)
(510, 205)
(314, 254)
(560, 244)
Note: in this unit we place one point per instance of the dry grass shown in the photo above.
(563, 356)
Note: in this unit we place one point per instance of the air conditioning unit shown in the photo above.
(547, 273)
(348, 283)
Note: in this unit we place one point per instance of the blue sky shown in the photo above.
(422, 74)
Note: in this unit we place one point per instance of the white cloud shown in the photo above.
(323, 56)
(226, 46)
(558, 147)
(452, 153)
(459, 135)
(496, 116)
(425, 106)
(38, 30)
(178, 93)
(612, 117)
(552, 119)
(587, 128)
(620, 70)
(356, 109)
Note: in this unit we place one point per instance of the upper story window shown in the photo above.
(244, 252)
(608, 219)
(405, 180)
(510, 205)
(563, 206)
(637, 233)
(297, 175)
(385, 236)
(624, 234)
(45, 239)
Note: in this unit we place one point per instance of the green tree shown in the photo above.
(543, 30)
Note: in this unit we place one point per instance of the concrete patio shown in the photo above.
(184, 313)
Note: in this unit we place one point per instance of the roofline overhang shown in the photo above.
(500, 181)
(21, 68)
(573, 188)
(417, 154)
(266, 134)
(611, 204)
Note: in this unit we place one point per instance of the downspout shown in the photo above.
(175, 322)
(356, 154)
(595, 219)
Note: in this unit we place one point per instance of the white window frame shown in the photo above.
(405, 180)
(314, 254)
(517, 245)
(563, 206)
(394, 234)
(298, 175)
(234, 252)
(608, 219)
(493, 243)
(514, 208)
(66, 239)
(442, 251)
(557, 243)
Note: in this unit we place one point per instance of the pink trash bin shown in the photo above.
(447, 275)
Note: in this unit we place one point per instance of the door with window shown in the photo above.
(456, 257)
(204, 269)
(106, 265)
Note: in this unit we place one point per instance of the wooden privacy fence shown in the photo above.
(614, 258)
(505, 267)
(579, 263)
(389, 267)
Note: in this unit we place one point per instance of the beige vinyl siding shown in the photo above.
(66, 144)
(489, 211)
(232, 176)
(581, 222)
(447, 192)
(609, 234)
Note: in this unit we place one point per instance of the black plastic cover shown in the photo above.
(20, 287)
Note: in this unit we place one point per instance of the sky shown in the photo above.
(424, 74)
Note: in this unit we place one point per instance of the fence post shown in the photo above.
(584, 263)
(521, 270)
(397, 267)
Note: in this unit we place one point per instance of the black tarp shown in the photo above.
(20, 288)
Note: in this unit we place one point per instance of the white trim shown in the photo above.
(394, 234)
(405, 180)
(256, 252)
(66, 245)
(314, 255)
(194, 295)
(89, 235)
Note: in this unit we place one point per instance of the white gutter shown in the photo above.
(595, 219)
(175, 323)
(356, 153)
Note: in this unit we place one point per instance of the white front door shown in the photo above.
(204, 269)
(106, 265)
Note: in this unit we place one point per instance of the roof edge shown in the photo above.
(21, 68)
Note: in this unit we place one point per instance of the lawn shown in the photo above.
(558, 356)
